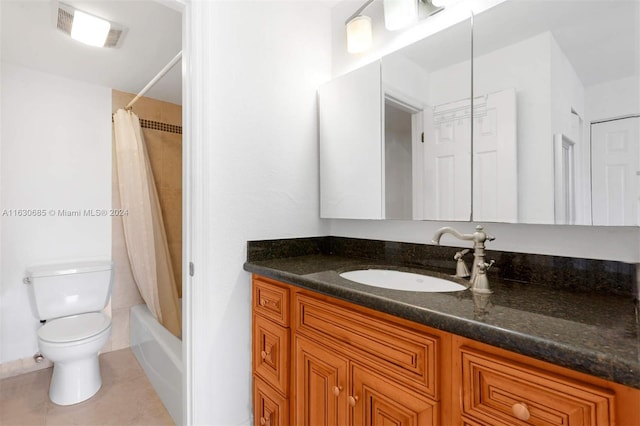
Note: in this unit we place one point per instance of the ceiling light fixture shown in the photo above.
(359, 31)
(88, 29)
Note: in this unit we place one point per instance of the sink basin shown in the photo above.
(398, 280)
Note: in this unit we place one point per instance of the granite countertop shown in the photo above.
(590, 332)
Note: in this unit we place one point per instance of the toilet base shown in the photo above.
(75, 381)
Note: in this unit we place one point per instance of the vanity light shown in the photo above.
(86, 28)
(399, 14)
(359, 34)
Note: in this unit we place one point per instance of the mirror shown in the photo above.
(556, 121)
(416, 165)
(557, 113)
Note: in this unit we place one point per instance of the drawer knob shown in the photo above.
(353, 400)
(521, 411)
(263, 354)
(263, 421)
(263, 302)
(337, 390)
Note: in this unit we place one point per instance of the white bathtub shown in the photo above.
(160, 354)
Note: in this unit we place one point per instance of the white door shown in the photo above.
(447, 162)
(495, 159)
(615, 167)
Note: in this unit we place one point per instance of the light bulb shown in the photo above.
(359, 34)
(399, 14)
(89, 29)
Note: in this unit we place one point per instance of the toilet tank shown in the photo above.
(72, 288)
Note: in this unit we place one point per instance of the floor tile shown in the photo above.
(125, 399)
(23, 398)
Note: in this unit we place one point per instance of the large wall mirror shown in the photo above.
(557, 110)
(555, 133)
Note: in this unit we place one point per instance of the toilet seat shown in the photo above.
(74, 328)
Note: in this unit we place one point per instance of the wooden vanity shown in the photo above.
(319, 360)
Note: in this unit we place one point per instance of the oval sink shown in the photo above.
(398, 280)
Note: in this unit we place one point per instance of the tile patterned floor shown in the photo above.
(125, 399)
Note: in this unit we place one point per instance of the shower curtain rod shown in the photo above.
(155, 79)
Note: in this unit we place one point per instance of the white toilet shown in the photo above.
(71, 297)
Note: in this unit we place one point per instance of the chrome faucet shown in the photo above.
(478, 280)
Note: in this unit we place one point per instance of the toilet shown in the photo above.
(71, 298)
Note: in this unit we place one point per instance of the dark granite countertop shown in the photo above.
(589, 332)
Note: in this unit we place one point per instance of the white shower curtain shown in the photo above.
(144, 230)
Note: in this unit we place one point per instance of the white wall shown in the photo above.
(56, 155)
(255, 67)
(580, 241)
(613, 99)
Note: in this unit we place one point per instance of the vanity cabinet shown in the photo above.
(354, 368)
(318, 360)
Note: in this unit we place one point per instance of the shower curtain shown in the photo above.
(144, 230)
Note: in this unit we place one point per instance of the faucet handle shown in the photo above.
(484, 267)
(460, 254)
(461, 268)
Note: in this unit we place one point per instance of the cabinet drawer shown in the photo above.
(271, 300)
(269, 408)
(403, 353)
(271, 353)
(497, 391)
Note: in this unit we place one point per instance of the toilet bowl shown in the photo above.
(72, 344)
(70, 298)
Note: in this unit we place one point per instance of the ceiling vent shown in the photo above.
(64, 22)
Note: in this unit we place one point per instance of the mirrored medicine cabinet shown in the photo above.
(553, 138)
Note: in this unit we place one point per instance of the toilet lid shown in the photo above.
(77, 327)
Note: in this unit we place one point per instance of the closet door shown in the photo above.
(615, 169)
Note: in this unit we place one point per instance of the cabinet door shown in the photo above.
(269, 407)
(271, 353)
(379, 402)
(321, 385)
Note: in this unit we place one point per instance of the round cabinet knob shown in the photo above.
(263, 302)
(263, 421)
(521, 411)
(353, 400)
(337, 390)
(263, 354)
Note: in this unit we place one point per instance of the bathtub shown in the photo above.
(160, 354)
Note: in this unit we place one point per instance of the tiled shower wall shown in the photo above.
(164, 144)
